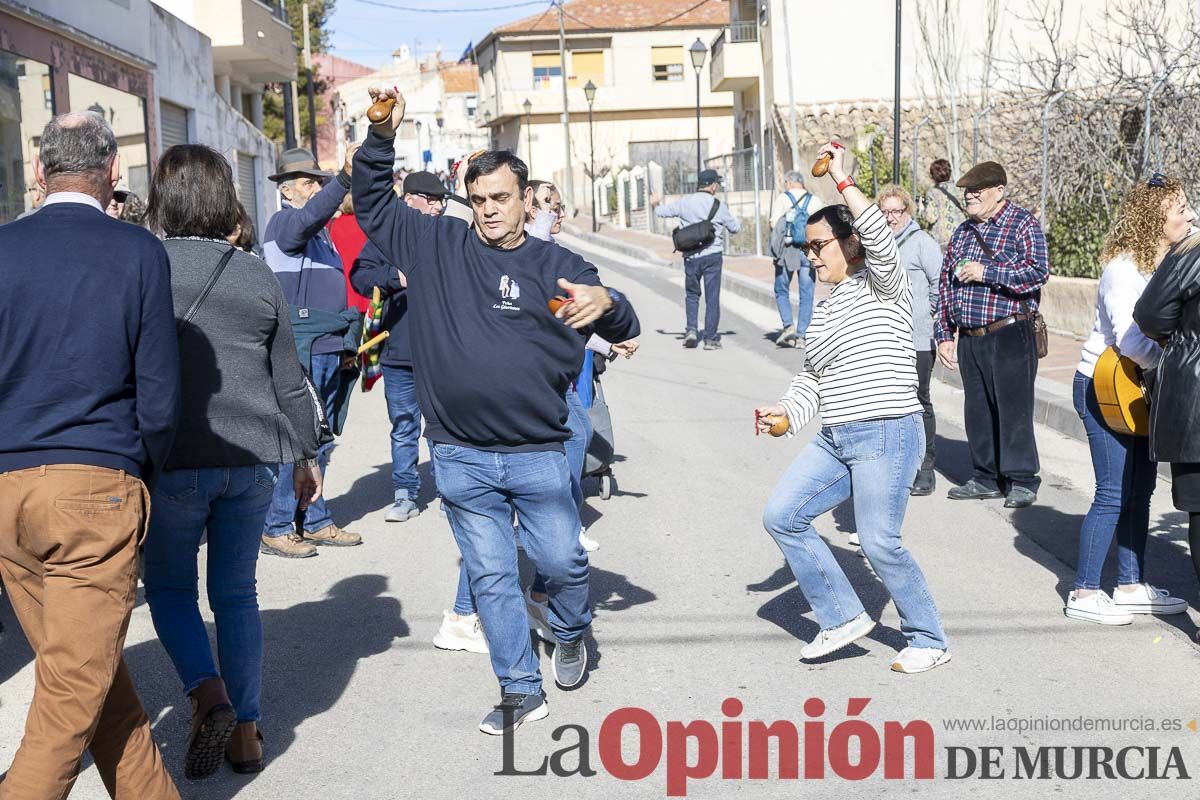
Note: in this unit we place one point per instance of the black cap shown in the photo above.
(708, 177)
(984, 176)
(424, 183)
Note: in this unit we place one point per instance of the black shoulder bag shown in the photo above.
(1040, 334)
(951, 198)
(208, 287)
(698, 235)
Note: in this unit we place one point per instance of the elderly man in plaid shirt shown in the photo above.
(992, 276)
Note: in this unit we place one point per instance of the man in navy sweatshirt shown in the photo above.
(89, 399)
(492, 363)
(299, 251)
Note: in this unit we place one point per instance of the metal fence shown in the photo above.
(742, 192)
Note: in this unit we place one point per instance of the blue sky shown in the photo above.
(367, 32)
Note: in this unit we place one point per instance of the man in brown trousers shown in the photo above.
(89, 396)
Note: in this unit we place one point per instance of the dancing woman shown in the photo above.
(860, 374)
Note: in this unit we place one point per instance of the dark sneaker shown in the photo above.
(924, 484)
(512, 711)
(1020, 497)
(712, 344)
(691, 339)
(973, 490)
(570, 661)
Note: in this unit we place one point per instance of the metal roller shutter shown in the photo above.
(248, 190)
(173, 123)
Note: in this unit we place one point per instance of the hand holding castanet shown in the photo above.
(381, 109)
(772, 420)
(820, 166)
(386, 111)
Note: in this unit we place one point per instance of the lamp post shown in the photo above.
(440, 120)
(528, 106)
(698, 51)
(420, 154)
(589, 91)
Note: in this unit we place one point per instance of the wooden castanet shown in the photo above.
(555, 303)
(381, 109)
(1119, 391)
(821, 166)
(779, 424)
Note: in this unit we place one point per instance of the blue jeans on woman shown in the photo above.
(481, 490)
(230, 503)
(804, 290)
(1125, 479)
(874, 463)
(580, 425)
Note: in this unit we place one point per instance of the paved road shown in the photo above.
(693, 605)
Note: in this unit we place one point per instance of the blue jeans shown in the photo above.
(481, 490)
(706, 271)
(1125, 479)
(804, 289)
(576, 448)
(230, 503)
(873, 462)
(282, 513)
(400, 391)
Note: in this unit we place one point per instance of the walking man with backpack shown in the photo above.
(790, 214)
(701, 240)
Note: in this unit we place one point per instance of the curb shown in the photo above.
(1052, 402)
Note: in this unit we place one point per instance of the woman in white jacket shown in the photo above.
(860, 374)
(1154, 216)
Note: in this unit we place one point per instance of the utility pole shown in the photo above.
(896, 114)
(566, 113)
(312, 99)
(787, 49)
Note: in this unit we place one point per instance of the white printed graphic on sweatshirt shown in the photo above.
(509, 290)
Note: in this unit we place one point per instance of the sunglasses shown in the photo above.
(1157, 181)
(815, 246)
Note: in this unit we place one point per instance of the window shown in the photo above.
(26, 105)
(546, 67)
(472, 104)
(667, 63)
(172, 124)
(126, 114)
(587, 66)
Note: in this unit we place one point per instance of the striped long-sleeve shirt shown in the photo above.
(859, 358)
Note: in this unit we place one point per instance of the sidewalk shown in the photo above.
(752, 277)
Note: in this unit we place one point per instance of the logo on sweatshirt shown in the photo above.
(510, 290)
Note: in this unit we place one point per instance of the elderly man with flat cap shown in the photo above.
(298, 249)
(991, 283)
(423, 192)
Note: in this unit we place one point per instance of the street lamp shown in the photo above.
(528, 106)
(420, 154)
(698, 51)
(589, 91)
(440, 120)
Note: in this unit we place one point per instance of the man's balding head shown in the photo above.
(78, 153)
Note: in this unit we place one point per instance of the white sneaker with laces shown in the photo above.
(464, 633)
(539, 618)
(1147, 599)
(834, 639)
(1097, 607)
(912, 660)
(590, 545)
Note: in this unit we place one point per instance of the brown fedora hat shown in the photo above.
(298, 161)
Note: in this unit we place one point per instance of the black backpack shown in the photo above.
(698, 235)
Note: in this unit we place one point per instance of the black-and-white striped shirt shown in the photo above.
(859, 358)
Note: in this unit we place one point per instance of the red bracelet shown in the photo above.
(841, 187)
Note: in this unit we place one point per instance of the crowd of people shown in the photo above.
(201, 403)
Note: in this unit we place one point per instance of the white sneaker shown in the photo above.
(912, 660)
(833, 639)
(539, 618)
(1096, 607)
(1147, 599)
(590, 545)
(464, 633)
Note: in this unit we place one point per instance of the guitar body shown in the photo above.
(1118, 385)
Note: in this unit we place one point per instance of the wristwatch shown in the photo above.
(307, 463)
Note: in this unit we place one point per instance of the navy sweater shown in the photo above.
(492, 363)
(89, 368)
(369, 270)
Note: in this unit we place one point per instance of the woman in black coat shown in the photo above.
(1169, 311)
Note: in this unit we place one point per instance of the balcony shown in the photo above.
(251, 39)
(736, 58)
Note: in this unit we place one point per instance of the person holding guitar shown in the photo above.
(1154, 216)
(1169, 312)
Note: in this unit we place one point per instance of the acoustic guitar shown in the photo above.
(1121, 394)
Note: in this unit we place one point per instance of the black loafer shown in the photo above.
(924, 484)
(1020, 497)
(973, 490)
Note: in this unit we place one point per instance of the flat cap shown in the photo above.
(424, 183)
(984, 176)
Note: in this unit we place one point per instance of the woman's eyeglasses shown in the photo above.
(1157, 181)
(815, 246)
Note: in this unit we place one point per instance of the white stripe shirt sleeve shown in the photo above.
(886, 277)
(802, 400)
